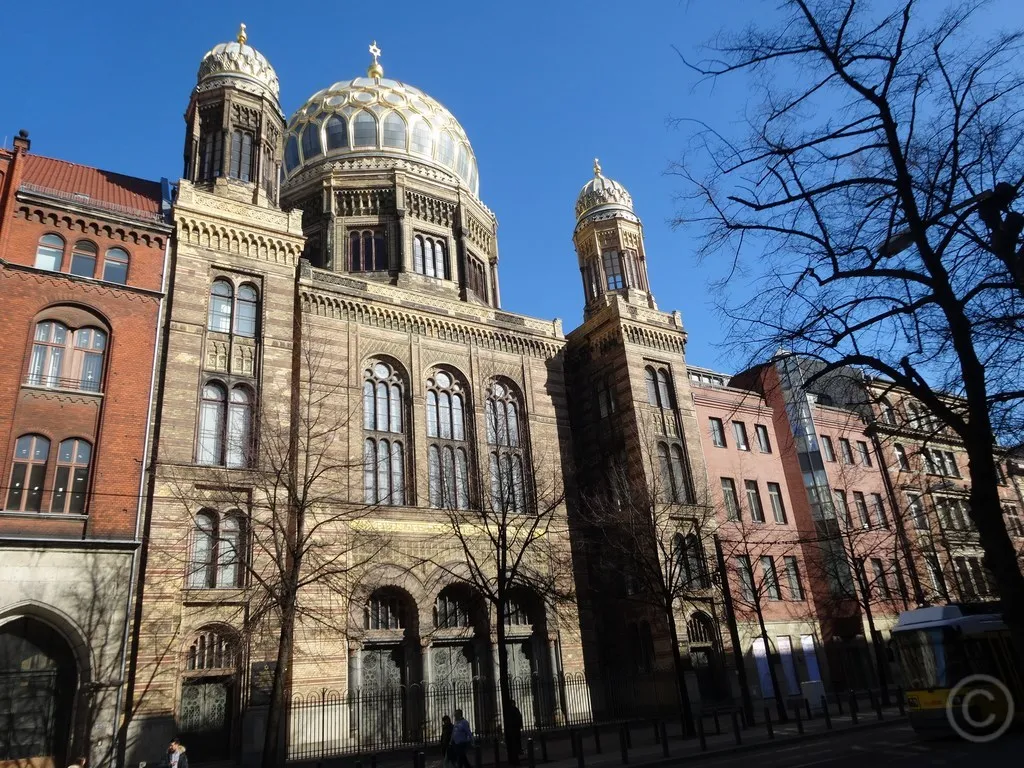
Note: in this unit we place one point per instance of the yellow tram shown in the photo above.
(959, 670)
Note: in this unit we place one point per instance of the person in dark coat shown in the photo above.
(514, 734)
(446, 740)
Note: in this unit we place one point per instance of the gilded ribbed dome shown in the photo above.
(380, 118)
(240, 63)
(602, 194)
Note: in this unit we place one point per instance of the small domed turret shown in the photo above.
(602, 195)
(242, 64)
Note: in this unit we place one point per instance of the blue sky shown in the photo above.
(540, 87)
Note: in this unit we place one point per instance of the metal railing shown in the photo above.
(60, 382)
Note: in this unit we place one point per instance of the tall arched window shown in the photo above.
(211, 650)
(661, 395)
(422, 141)
(451, 609)
(115, 266)
(367, 251)
(71, 483)
(291, 154)
(50, 253)
(448, 451)
(385, 609)
(674, 478)
(218, 542)
(394, 131)
(66, 360)
(239, 444)
(83, 259)
(240, 166)
(446, 149)
(429, 257)
(384, 428)
(28, 472)
(247, 308)
(364, 130)
(337, 133)
(691, 566)
(504, 436)
(211, 153)
(888, 412)
(212, 413)
(221, 300)
(311, 141)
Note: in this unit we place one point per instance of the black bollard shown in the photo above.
(807, 704)
(853, 707)
(718, 725)
(597, 739)
(629, 735)
(878, 708)
(839, 703)
(543, 747)
(359, 764)
(736, 727)
(664, 740)
(768, 723)
(373, 761)
(657, 733)
(415, 759)
(579, 752)
(703, 738)
(478, 751)
(572, 742)
(497, 752)
(623, 749)
(531, 758)
(900, 702)
(825, 714)
(799, 719)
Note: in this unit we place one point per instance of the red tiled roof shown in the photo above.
(104, 188)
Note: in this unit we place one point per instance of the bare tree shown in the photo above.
(513, 543)
(300, 550)
(652, 530)
(857, 185)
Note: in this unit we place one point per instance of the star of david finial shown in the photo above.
(597, 167)
(374, 51)
(375, 70)
(242, 37)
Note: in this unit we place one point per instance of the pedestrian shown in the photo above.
(446, 743)
(514, 733)
(462, 739)
(176, 755)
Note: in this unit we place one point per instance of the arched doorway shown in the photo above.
(458, 655)
(38, 684)
(700, 632)
(209, 692)
(388, 714)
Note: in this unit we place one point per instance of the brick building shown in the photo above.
(83, 254)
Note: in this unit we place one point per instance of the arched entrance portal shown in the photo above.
(38, 683)
(700, 630)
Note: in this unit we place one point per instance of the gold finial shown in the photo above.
(597, 167)
(242, 37)
(375, 70)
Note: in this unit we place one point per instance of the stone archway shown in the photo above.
(38, 687)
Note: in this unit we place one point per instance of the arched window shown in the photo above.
(612, 270)
(212, 412)
(221, 300)
(384, 444)
(691, 566)
(291, 154)
(364, 129)
(422, 141)
(239, 445)
(217, 559)
(672, 473)
(83, 259)
(66, 360)
(888, 413)
(247, 306)
(446, 149)
(71, 483)
(211, 153)
(384, 609)
(311, 141)
(515, 614)
(448, 452)
(666, 396)
(211, 650)
(337, 133)
(28, 472)
(367, 251)
(115, 266)
(451, 610)
(240, 166)
(394, 131)
(462, 163)
(700, 630)
(508, 479)
(429, 257)
(50, 252)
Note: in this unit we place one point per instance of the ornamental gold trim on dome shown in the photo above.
(602, 194)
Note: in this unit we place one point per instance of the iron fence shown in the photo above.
(333, 723)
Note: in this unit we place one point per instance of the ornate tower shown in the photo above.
(609, 242)
(235, 124)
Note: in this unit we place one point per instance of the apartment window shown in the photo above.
(1000, 475)
(83, 259)
(880, 517)
(367, 251)
(842, 508)
(739, 430)
(65, 359)
(778, 508)
(50, 253)
(979, 576)
(746, 574)
(717, 432)
(383, 434)
(217, 551)
(771, 578)
(881, 584)
(865, 453)
(28, 471)
(448, 452)
(862, 509)
(1013, 522)
(888, 414)
(918, 516)
(72, 479)
(952, 513)
(847, 450)
(763, 443)
(827, 450)
(732, 502)
(115, 266)
(754, 501)
(901, 456)
(796, 589)
(950, 464)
